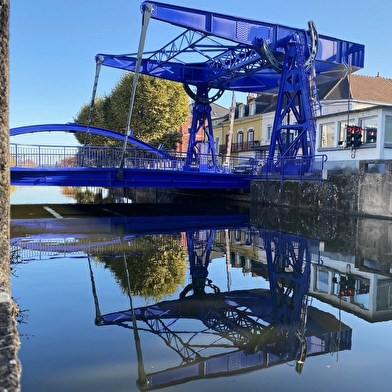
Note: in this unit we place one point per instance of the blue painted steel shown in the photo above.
(264, 327)
(224, 52)
(238, 63)
(73, 128)
(294, 128)
(98, 166)
(133, 178)
(201, 151)
(236, 54)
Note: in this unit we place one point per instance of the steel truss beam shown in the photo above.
(224, 52)
(294, 125)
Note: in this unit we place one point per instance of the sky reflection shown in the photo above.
(210, 330)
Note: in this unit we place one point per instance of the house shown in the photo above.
(355, 122)
(218, 114)
(247, 132)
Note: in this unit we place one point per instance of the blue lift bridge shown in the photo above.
(232, 53)
(215, 53)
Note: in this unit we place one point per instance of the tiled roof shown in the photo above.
(218, 111)
(364, 88)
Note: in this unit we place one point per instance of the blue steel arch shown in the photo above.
(73, 128)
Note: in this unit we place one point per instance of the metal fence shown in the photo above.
(100, 157)
(282, 168)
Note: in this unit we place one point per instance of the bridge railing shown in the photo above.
(282, 168)
(36, 156)
(296, 168)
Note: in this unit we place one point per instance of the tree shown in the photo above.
(160, 106)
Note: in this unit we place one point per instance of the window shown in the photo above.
(343, 125)
(251, 133)
(327, 135)
(240, 139)
(388, 129)
(369, 126)
(269, 131)
(322, 281)
(241, 111)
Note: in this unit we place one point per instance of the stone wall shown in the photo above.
(337, 194)
(365, 192)
(375, 187)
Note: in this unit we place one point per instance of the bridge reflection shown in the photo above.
(356, 282)
(215, 330)
(241, 330)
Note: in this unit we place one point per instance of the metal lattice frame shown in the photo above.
(224, 52)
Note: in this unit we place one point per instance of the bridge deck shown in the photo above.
(100, 166)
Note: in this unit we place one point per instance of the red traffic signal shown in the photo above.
(347, 286)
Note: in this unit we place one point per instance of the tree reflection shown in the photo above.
(251, 328)
(156, 266)
(95, 196)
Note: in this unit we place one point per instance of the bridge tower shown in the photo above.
(221, 52)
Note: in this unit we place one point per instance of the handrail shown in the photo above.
(59, 157)
(37, 156)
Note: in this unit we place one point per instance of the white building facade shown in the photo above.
(362, 105)
(374, 122)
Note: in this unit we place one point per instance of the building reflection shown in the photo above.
(251, 329)
(218, 331)
(351, 282)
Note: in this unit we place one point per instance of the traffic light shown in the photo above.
(347, 286)
(350, 136)
(357, 137)
(371, 135)
(363, 288)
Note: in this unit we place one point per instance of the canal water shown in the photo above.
(197, 298)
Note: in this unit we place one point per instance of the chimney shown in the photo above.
(250, 97)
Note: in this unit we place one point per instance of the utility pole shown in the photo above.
(230, 133)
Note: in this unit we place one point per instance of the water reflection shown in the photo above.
(241, 330)
(213, 329)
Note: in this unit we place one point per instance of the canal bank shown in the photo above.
(364, 192)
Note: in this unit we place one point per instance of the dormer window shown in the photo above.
(269, 131)
(252, 109)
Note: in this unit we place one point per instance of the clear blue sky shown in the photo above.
(53, 44)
